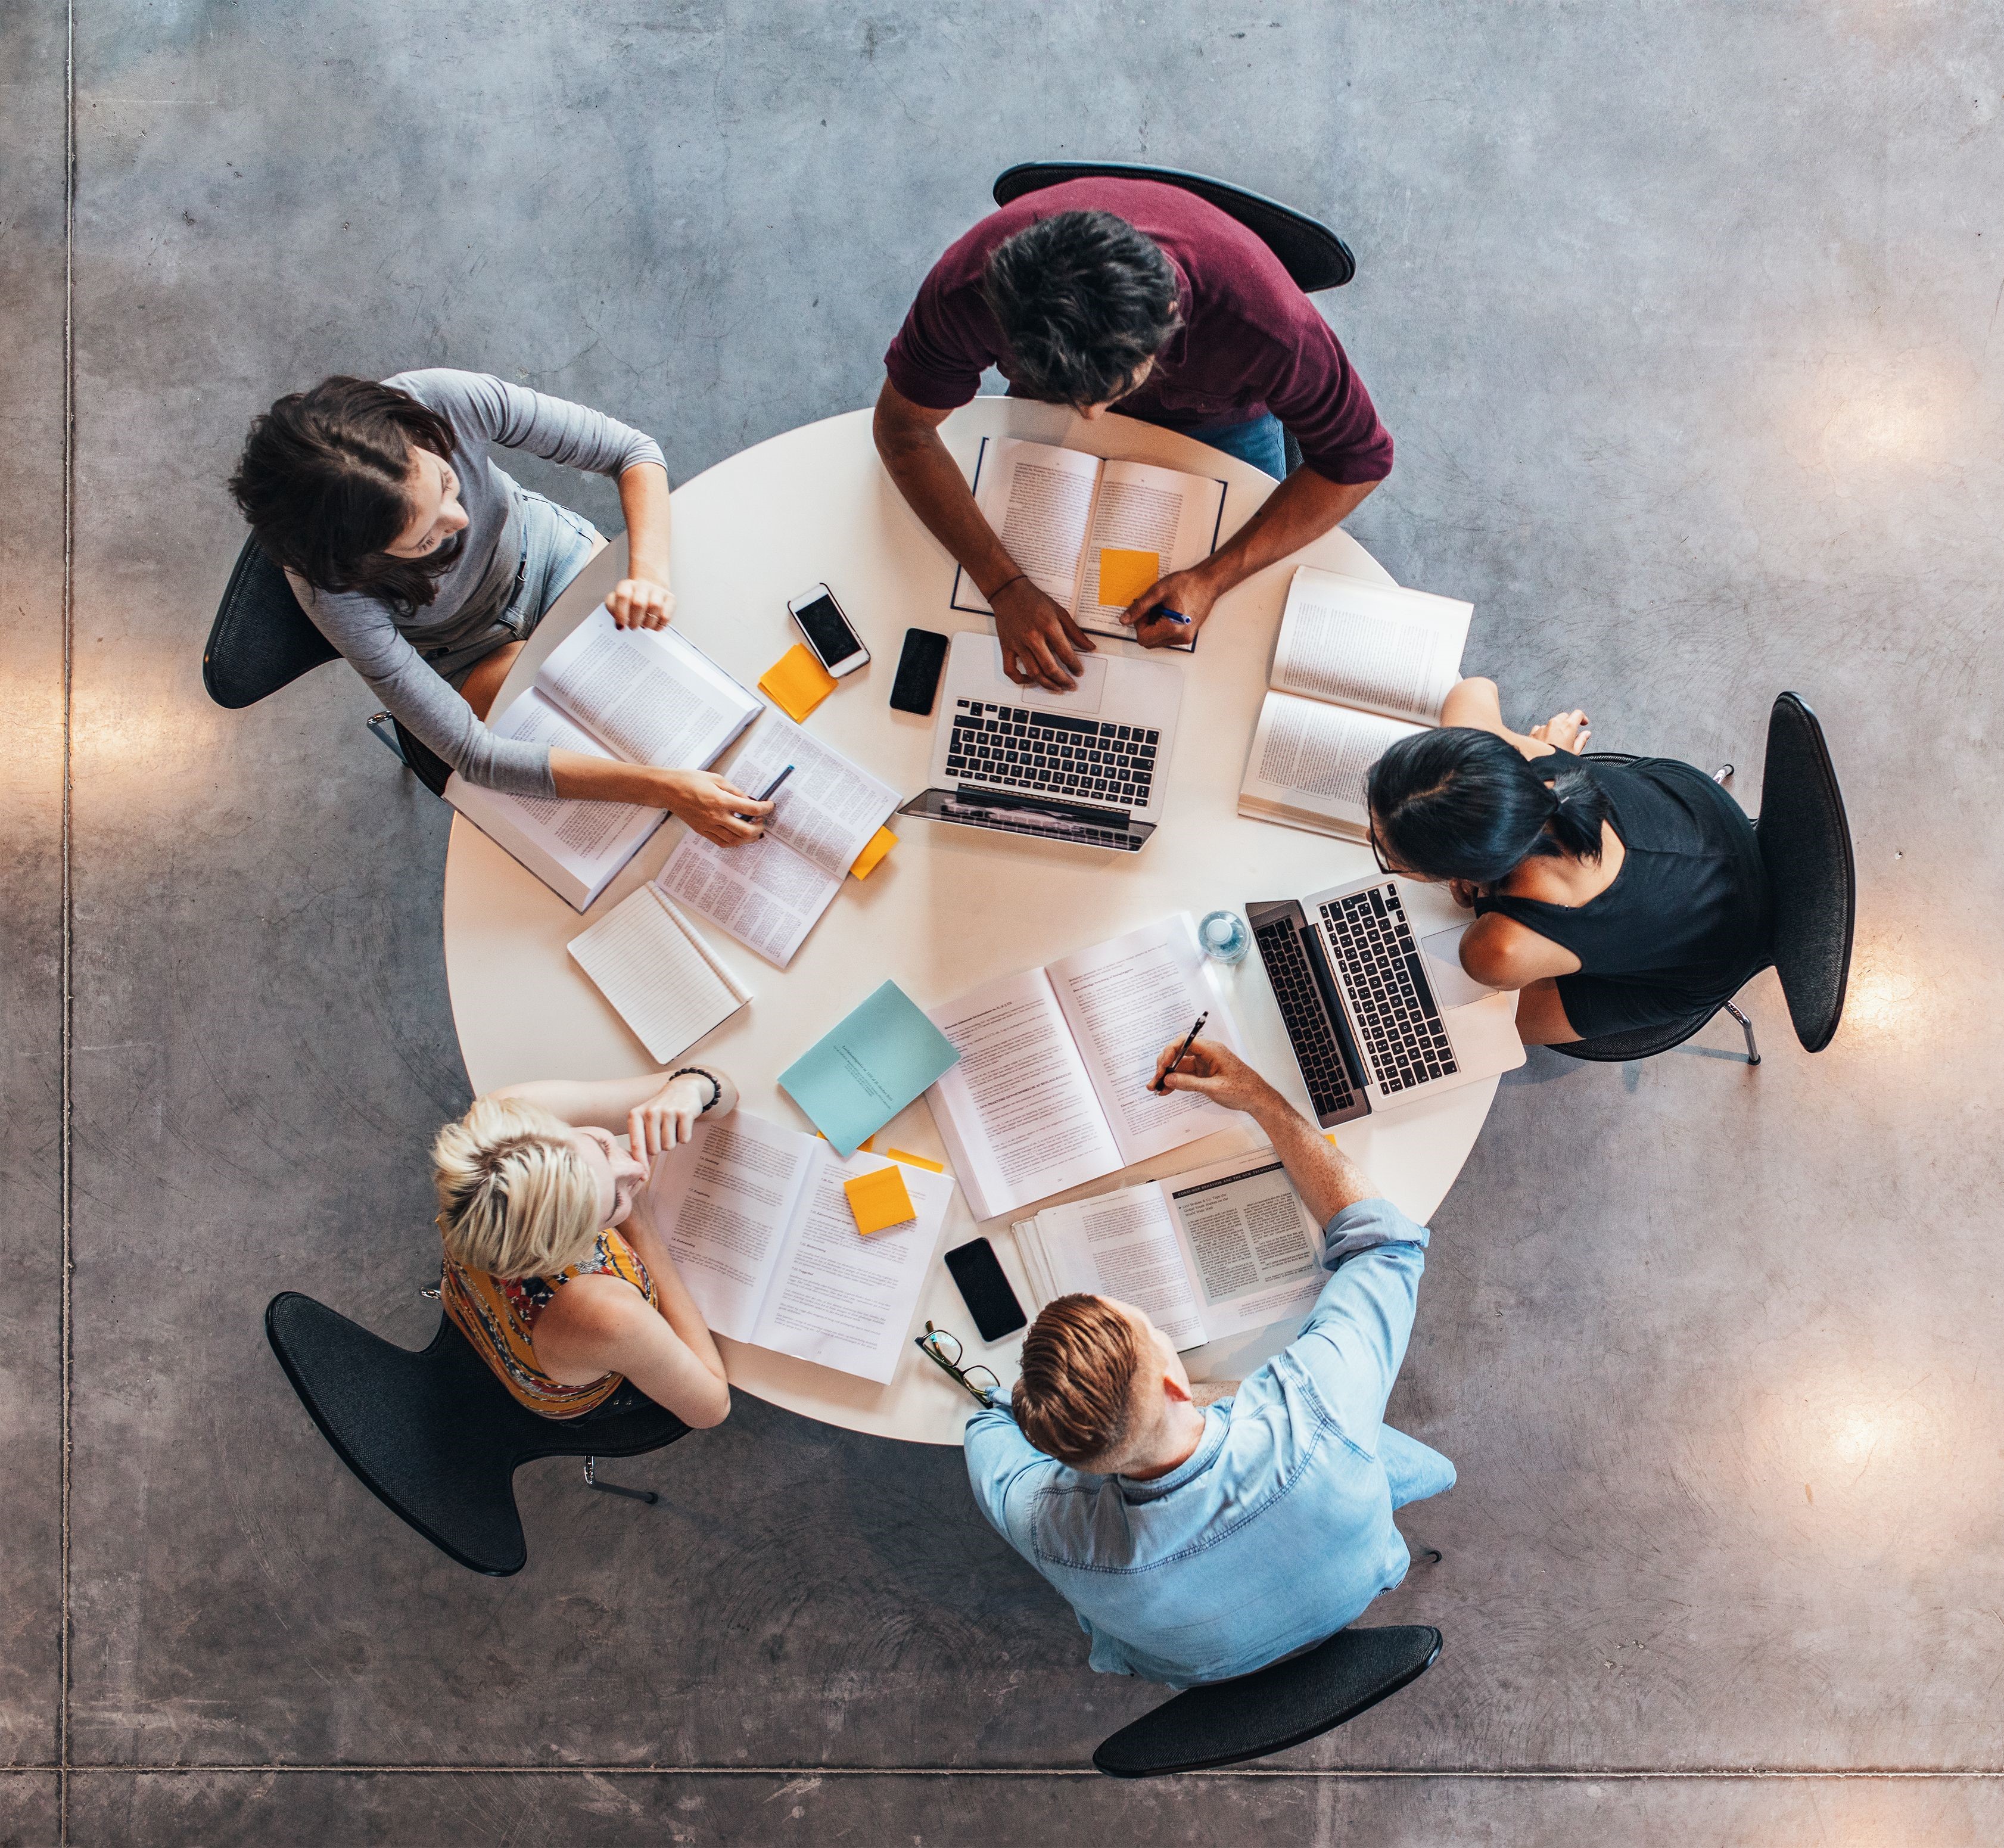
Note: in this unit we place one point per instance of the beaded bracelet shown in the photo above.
(715, 1088)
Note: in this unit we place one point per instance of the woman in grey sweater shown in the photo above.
(428, 567)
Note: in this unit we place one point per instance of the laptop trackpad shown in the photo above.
(1453, 986)
(1083, 699)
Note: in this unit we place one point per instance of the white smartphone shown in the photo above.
(837, 647)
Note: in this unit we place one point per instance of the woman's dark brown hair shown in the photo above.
(322, 482)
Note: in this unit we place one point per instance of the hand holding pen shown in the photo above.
(771, 789)
(1190, 1040)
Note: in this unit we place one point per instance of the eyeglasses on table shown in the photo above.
(942, 1346)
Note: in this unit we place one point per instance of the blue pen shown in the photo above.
(1172, 615)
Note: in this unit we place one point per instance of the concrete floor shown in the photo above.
(1683, 315)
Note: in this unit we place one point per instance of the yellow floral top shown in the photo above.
(498, 1315)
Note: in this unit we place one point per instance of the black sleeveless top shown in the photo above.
(1686, 918)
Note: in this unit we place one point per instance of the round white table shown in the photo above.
(951, 907)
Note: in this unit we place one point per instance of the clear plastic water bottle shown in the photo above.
(1224, 937)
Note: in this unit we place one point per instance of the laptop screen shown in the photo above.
(1031, 815)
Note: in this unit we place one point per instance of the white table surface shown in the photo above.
(951, 907)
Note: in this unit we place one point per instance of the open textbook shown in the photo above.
(638, 696)
(1217, 1252)
(757, 1221)
(1056, 511)
(1357, 666)
(1051, 1088)
(769, 893)
(661, 978)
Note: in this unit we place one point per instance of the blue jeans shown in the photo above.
(556, 545)
(1260, 441)
(1415, 1470)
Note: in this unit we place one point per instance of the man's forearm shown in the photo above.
(1299, 511)
(934, 489)
(1326, 1179)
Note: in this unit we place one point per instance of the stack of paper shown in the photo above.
(661, 978)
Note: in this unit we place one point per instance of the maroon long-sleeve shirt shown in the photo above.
(1250, 342)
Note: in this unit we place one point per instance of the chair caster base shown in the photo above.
(591, 1480)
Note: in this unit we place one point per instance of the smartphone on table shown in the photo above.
(977, 1274)
(836, 644)
(917, 683)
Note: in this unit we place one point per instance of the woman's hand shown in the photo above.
(1212, 1070)
(1564, 731)
(1190, 594)
(641, 602)
(668, 1117)
(716, 808)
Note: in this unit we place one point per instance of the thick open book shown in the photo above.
(638, 696)
(1056, 511)
(661, 978)
(1052, 1088)
(1357, 666)
(769, 893)
(1217, 1252)
(755, 1216)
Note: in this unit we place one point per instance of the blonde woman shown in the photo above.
(561, 1287)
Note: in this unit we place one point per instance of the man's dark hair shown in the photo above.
(1083, 300)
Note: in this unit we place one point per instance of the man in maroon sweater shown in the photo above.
(1107, 293)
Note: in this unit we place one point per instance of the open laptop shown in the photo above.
(1087, 766)
(1377, 1006)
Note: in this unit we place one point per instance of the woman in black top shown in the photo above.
(1614, 896)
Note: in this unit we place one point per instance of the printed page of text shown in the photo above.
(1308, 762)
(1253, 1247)
(647, 693)
(1017, 1114)
(839, 1298)
(1124, 1244)
(1390, 651)
(1142, 508)
(1125, 1000)
(766, 895)
(722, 1203)
(828, 809)
(1038, 499)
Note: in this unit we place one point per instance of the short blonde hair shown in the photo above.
(515, 1198)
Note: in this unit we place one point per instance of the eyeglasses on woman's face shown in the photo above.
(942, 1348)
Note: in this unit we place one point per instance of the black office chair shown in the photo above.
(261, 639)
(436, 1437)
(1226, 1722)
(1804, 841)
(1309, 250)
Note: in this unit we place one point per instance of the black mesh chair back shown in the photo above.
(1804, 841)
(1309, 250)
(261, 638)
(1227, 1723)
(433, 1434)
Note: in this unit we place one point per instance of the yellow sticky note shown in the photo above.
(1124, 575)
(797, 683)
(880, 1199)
(917, 1161)
(868, 1143)
(872, 856)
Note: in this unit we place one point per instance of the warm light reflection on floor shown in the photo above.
(1904, 410)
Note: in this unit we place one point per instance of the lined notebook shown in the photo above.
(661, 978)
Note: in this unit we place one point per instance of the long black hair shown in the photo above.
(1082, 299)
(323, 480)
(1455, 803)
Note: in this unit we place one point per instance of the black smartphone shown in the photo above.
(977, 1274)
(917, 683)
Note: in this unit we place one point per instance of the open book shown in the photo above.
(1217, 1252)
(661, 978)
(639, 695)
(755, 1218)
(1056, 511)
(769, 893)
(1357, 666)
(1051, 1088)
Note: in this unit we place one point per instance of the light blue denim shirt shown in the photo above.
(1277, 1531)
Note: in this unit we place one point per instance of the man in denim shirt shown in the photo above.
(1196, 1541)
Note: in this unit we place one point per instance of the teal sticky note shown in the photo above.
(859, 1077)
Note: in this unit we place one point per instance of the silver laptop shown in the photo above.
(1087, 766)
(1377, 1006)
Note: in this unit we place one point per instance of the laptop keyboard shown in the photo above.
(1078, 760)
(1391, 1005)
(1314, 1041)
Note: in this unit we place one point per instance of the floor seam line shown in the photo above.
(68, 1004)
(1607, 1774)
